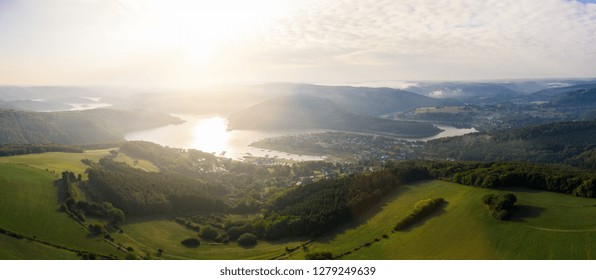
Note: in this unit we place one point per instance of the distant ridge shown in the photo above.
(309, 112)
(366, 101)
(75, 127)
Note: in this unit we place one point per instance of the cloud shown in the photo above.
(320, 41)
(460, 39)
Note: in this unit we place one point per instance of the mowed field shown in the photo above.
(30, 207)
(545, 226)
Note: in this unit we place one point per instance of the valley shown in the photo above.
(305, 172)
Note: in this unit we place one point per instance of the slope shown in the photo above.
(75, 127)
(30, 208)
(309, 112)
(545, 226)
(549, 143)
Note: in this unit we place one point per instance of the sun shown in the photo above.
(197, 30)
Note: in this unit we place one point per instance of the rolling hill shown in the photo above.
(549, 143)
(545, 226)
(75, 127)
(30, 209)
(365, 101)
(309, 112)
(549, 225)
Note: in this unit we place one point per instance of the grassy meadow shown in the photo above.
(147, 236)
(545, 226)
(57, 162)
(30, 207)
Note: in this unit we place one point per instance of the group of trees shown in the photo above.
(314, 209)
(552, 178)
(561, 142)
(80, 209)
(144, 193)
(546, 177)
(422, 209)
(500, 206)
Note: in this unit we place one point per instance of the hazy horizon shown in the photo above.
(194, 44)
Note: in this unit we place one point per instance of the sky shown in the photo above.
(197, 43)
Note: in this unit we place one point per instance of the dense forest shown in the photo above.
(316, 208)
(550, 143)
(493, 175)
(210, 183)
(75, 127)
(144, 193)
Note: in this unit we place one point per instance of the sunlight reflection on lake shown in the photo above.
(210, 134)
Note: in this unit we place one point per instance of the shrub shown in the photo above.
(192, 242)
(208, 232)
(422, 209)
(235, 232)
(97, 229)
(247, 239)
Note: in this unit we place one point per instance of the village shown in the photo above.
(345, 147)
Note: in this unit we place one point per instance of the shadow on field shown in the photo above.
(437, 212)
(364, 217)
(523, 212)
(247, 246)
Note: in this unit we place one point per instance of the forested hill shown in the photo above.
(309, 112)
(367, 101)
(563, 142)
(75, 127)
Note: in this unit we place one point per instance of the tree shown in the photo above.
(208, 232)
(500, 206)
(97, 229)
(117, 216)
(235, 232)
(247, 240)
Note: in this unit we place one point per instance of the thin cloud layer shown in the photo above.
(326, 41)
(434, 39)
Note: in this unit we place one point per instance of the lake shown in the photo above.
(210, 134)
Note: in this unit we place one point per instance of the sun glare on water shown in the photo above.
(210, 135)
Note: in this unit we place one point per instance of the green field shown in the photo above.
(15, 249)
(137, 163)
(149, 236)
(30, 207)
(56, 162)
(545, 226)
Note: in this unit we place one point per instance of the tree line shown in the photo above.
(317, 208)
(145, 193)
(13, 150)
(563, 142)
(80, 209)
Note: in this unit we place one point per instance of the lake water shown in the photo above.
(210, 134)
